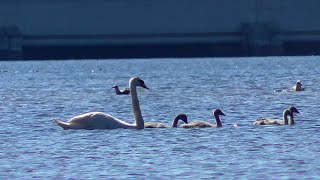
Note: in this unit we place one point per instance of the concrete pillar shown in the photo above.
(10, 43)
(261, 39)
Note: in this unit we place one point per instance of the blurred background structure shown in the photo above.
(42, 29)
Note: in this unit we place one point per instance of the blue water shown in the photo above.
(32, 93)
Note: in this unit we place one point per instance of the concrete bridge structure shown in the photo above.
(43, 29)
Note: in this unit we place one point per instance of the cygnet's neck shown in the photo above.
(216, 116)
(175, 122)
(286, 113)
(291, 118)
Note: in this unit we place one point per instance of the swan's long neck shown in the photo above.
(286, 113)
(136, 107)
(219, 124)
(175, 122)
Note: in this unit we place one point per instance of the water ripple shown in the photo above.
(35, 92)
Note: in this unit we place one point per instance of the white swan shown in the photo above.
(99, 120)
(287, 112)
(121, 91)
(203, 124)
(297, 86)
(183, 117)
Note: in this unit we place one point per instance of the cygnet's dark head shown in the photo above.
(294, 110)
(183, 117)
(218, 112)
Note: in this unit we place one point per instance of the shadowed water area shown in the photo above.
(33, 93)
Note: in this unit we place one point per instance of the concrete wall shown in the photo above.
(154, 16)
(81, 22)
(38, 17)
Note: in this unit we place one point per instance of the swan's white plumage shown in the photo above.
(99, 120)
(94, 120)
(296, 87)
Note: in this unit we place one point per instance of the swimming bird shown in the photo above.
(293, 110)
(99, 120)
(121, 91)
(203, 124)
(287, 112)
(297, 86)
(183, 117)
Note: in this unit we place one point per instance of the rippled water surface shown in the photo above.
(32, 93)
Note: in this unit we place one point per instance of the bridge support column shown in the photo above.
(261, 39)
(10, 43)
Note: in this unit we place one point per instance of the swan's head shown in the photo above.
(138, 82)
(183, 117)
(294, 110)
(218, 112)
(115, 86)
(298, 84)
